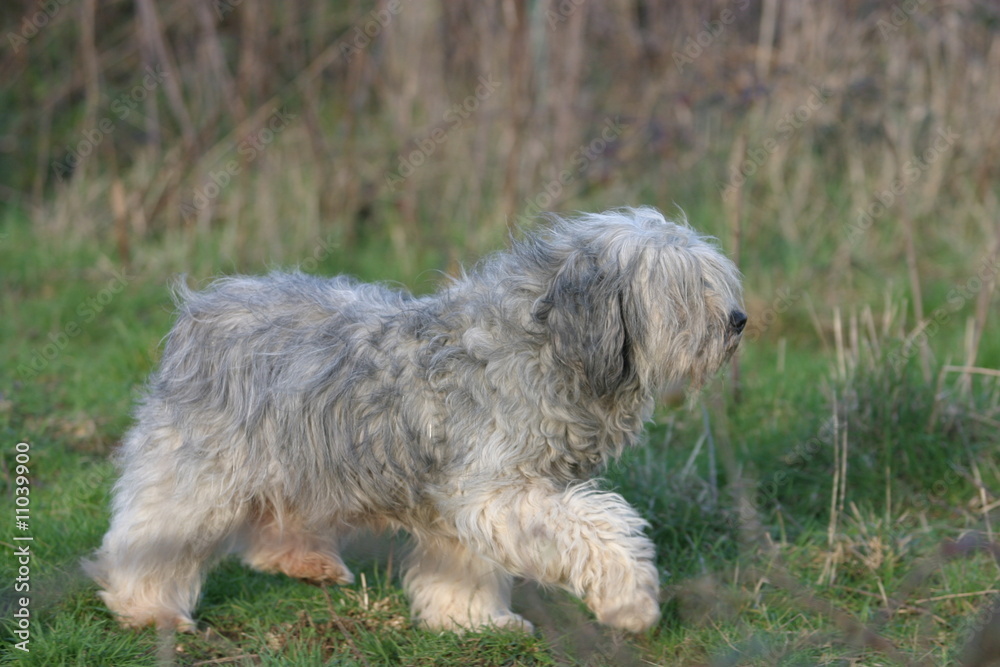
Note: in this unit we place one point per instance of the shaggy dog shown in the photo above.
(290, 409)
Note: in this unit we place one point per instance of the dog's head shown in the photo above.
(637, 300)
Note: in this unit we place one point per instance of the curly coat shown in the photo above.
(289, 409)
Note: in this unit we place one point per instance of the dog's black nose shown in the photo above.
(737, 320)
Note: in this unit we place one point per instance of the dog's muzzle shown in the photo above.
(737, 321)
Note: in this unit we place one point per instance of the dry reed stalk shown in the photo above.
(983, 301)
(734, 215)
(151, 32)
(939, 401)
(515, 13)
(816, 323)
(837, 493)
(765, 39)
(838, 340)
(251, 72)
(90, 65)
(855, 350)
(119, 209)
(900, 142)
(868, 317)
(984, 500)
(913, 273)
(566, 63)
(713, 472)
(971, 369)
(212, 49)
(44, 145)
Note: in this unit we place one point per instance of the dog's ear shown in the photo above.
(584, 310)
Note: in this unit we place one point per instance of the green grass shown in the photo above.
(762, 588)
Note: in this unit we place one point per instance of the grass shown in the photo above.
(759, 566)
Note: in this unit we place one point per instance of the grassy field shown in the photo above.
(833, 499)
(769, 557)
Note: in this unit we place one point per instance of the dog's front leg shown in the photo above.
(587, 541)
(452, 588)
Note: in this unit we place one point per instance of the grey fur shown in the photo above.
(288, 409)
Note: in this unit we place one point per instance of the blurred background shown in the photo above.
(845, 154)
(428, 129)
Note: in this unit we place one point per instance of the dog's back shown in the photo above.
(272, 370)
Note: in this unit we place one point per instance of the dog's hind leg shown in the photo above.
(273, 545)
(451, 588)
(161, 541)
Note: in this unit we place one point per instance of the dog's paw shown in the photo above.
(512, 621)
(461, 624)
(180, 624)
(317, 568)
(633, 604)
(634, 614)
(311, 566)
(130, 614)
